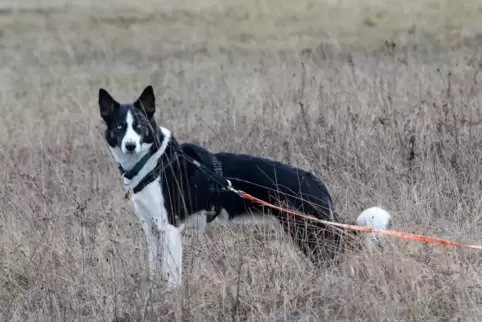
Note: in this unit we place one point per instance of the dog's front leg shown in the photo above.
(152, 248)
(170, 254)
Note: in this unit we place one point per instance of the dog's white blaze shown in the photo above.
(131, 136)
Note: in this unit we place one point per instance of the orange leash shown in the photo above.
(409, 236)
(226, 184)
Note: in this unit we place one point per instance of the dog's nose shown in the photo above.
(130, 146)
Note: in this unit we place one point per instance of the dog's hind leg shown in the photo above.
(322, 243)
(318, 242)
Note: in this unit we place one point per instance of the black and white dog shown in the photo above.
(171, 194)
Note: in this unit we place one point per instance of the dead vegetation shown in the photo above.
(385, 110)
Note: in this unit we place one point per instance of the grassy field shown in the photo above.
(381, 99)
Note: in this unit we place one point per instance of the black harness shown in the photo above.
(166, 160)
(162, 164)
(130, 174)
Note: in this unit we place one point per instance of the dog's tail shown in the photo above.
(374, 217)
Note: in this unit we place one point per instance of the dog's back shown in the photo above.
(269, 180)
(280, 184)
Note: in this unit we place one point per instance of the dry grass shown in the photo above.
(312, 84)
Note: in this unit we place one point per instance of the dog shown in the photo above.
(171, 192)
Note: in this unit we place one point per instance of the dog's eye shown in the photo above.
(120, 126)
(139, 126)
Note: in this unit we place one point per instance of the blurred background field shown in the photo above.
(381, 99)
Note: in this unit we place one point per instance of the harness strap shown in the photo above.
(216, 176)
(153, 174)
(218, 170)
(130, 174)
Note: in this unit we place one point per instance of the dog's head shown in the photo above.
(130, 127)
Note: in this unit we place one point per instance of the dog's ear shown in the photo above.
(147, 101)
(107, 104)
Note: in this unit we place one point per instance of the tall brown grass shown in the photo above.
(390, 123)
